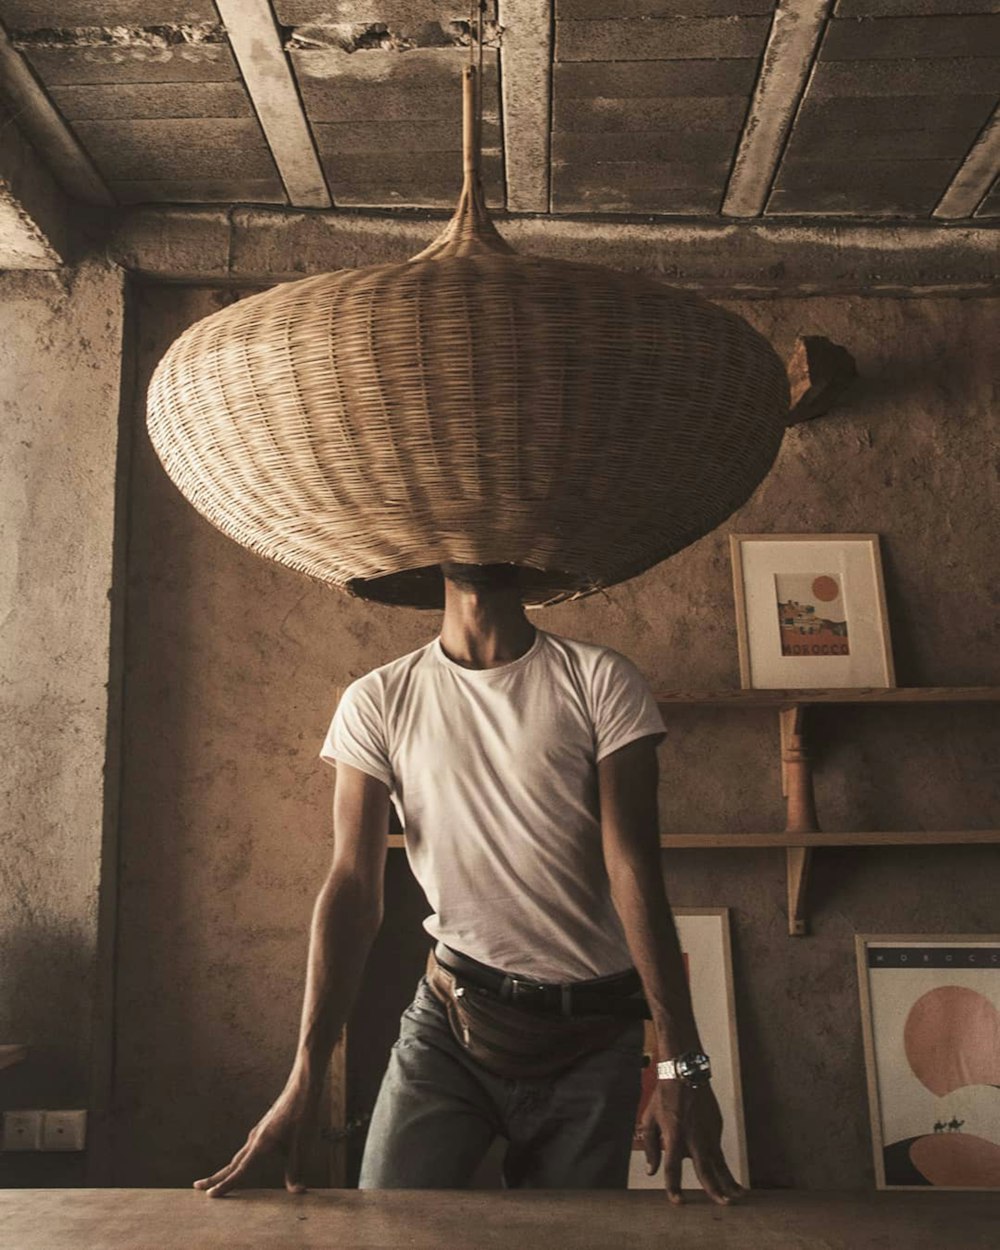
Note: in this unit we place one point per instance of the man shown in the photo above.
(523, 767)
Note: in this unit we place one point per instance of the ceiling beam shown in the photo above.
(526, 81)
(34, 213)
(976, 174)
(796, 30)
(256, 43)
(260, 245)
(51, 138)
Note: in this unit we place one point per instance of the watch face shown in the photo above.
(694, 1067)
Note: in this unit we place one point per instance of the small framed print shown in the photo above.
(705, 945)
(930, 1012)
(810, 611)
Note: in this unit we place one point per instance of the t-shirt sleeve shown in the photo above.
(623, 704)
(357, 733)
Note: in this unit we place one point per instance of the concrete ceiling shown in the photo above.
(712, 109)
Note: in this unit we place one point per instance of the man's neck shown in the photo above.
(484, 629)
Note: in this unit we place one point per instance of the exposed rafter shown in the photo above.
(526, 77)
(35, 114)
(256, 45)
(796, 30)
(976, 174)
(33, 210)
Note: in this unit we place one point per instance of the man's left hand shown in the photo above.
(684, 1122)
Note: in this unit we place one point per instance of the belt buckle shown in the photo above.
(528, 993)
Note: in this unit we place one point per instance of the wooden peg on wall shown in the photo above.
(819, 373)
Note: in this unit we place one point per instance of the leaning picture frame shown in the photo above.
(810, 612)
(930, 1014)
(707, 950)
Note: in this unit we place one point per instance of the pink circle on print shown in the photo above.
(952, 1039)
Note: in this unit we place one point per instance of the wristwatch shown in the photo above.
(693, 1067)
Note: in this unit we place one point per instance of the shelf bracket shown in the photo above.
(800, 811)
(797, 864)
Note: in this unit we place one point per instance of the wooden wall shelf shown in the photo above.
(756, 841)
(802, 833)
(807, 698)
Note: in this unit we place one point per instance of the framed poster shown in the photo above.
(810, 611)
(930, 1011)
(704, 936)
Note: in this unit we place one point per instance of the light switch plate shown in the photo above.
(64, 1130)
(22, 1130)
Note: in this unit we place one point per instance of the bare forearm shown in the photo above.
(631, 832)
(345, 921)
(680, 1120)
(641, 902)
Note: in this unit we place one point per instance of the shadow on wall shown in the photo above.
(911, 376)
(46, 972)
(47, 975)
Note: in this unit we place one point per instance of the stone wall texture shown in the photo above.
(231, 665)
(60, 360)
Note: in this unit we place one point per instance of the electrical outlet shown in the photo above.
(64, 1130)
(22, 1130)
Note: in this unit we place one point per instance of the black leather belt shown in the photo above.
(618, 995)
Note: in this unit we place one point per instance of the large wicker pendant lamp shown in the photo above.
(469, 405)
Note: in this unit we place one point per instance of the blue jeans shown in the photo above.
(438, 1112)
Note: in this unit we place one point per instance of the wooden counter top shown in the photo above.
(171, 1219)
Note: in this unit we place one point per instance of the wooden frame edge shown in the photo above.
(871, 1075)
(883, 609)
(734, 1041)
(337, 1114)
(739, 598)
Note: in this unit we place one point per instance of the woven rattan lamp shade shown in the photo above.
(469, 405)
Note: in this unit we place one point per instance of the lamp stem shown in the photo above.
(470, 128)
(471, 228)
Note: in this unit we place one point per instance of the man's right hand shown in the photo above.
(285, 1129)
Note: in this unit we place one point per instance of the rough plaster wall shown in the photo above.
(231, 665)
(60, 344)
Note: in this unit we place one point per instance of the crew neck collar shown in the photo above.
(486, 674)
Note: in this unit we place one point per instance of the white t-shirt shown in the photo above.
(494, 775)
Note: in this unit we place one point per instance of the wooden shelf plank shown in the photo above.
(751, 841)
(786, 698)
(801, 815)
(759, 841)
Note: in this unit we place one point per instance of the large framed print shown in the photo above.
(810, 611)
(705, 944)
(930, 1011)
